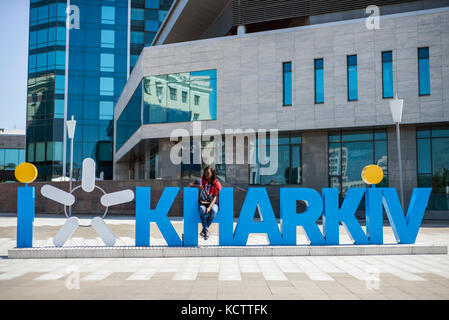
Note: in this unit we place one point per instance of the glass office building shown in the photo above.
(81, 72)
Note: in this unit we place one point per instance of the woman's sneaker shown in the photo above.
(202, 233)
(206, 234)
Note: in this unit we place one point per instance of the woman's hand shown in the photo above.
(208, 210)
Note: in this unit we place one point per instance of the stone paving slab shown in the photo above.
(221, 251)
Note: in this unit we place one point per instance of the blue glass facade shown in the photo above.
(387, 74)
(424, 71)
(97, 75)
(97, 72)
(146, 18)
(46, 83)
(11, 158)
(352, 78)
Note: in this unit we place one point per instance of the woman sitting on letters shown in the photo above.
(209, 188)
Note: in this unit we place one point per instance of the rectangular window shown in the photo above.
(30, 152)
(172, 93)
(57, 151)
(289, 161)
(40, 151)
(60, 35)
(107, 15)
(319, 81)
(60, 60)
(107, 38)
(387, 74)
(433, 164)
(106, 86)
(424, 71)
(106, 110)
(352, 78)
(59, 83)
(107, 62)
(350, 151)
(49, 151)
(59, 109)
(287, 80)
(197, 100)
(184, 97)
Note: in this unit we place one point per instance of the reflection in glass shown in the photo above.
(350, 152)
(433, 165)
(289, 161)
(163, 103)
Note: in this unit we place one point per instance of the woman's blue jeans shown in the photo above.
(207, 219)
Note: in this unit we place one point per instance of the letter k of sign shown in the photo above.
(67, 199)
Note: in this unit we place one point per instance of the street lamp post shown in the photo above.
(396, 107)
(71, 133)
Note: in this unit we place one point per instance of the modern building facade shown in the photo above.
(323, 77)
(12, 152)
(81, 71)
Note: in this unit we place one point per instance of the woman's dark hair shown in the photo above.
(212, 171)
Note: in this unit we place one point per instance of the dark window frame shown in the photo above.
(284, 72)
(315, 79)
(347, 76)
(290, 145)
(382, 62)
(419, 74)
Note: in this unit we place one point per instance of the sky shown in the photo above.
(13, 63)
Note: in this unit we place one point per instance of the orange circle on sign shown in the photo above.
(372, 174)
(25, 172)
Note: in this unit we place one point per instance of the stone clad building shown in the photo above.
(323, 78)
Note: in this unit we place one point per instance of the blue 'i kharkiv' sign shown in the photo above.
(327, 205)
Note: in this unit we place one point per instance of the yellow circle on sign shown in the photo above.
(372, 174)
(26, 172)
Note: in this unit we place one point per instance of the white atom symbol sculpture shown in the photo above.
(67, 199)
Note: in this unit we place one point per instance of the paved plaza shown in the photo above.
(199, 278)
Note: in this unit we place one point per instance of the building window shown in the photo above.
(106, 86)
(424, 71)
(106, 111)
(287, 81)
(40, 151)
(319, 81)
(433, 164)
(11, 158)
(350, 152)
(107, 62)
(59, 83)
(173, 94)
(184, 97)
(208, 149)
(197, 100)
(387, 74)
(107, 15)
(352, 78)
(107, 38)
(289, 161)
